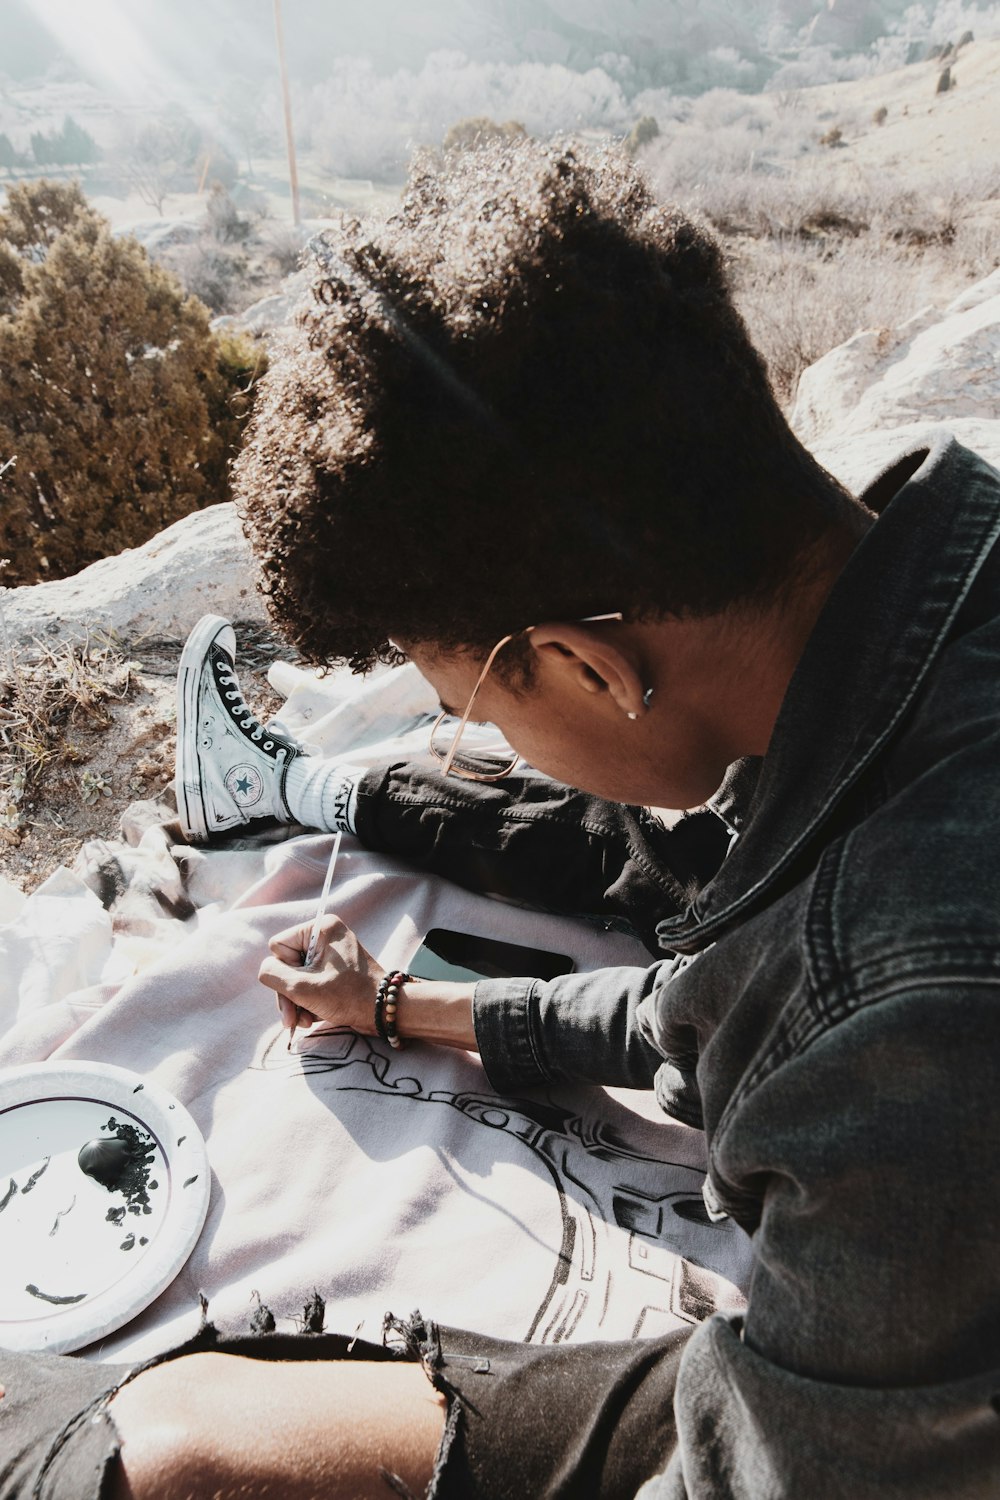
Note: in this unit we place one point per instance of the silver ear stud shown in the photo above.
(646, 700)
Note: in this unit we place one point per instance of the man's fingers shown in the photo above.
(290, 946)
(295, 1015)
(292, 943)
(288, 979)
(287, 954)
(338, 986)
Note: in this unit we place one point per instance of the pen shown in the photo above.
(310, 954)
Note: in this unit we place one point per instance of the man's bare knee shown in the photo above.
(216, 1424)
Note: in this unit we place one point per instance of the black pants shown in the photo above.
(545, 845)
(524, 1422)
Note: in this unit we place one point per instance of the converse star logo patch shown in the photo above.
(245, 785)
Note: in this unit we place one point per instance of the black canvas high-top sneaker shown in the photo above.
(230, 769)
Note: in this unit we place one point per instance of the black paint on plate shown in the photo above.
(8, 1195)
(35, 1176)
(122, 1163)
(61, 1215)
(51, 1297)
(107, 1161)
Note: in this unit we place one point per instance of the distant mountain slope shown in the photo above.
(947, 134)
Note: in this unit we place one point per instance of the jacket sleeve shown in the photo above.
(578, 1028)
(545, 845)
(867, 1365)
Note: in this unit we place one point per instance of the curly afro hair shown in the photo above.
(525, 396)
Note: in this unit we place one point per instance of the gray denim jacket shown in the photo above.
(831, 1015)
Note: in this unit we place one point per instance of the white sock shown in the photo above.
(323, 793)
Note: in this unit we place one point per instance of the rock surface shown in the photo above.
(200, 564)
(857, 458)
(272, 313)
(887, 387)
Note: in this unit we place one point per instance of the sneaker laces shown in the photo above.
(238, 706)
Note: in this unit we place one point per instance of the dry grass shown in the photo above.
(86, 731)
(815, 257)
(822, 241)
(829, 267)
(51, 710)
(835, 220)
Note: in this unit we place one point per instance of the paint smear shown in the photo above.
(34, 1291)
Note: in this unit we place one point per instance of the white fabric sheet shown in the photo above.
(386, 1180)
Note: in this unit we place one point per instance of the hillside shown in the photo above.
(942, 136)
(834, 215)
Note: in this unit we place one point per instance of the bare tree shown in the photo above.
(152, 156)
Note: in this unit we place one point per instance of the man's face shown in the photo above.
(586, 740)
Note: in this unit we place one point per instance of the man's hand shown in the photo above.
(338, 987)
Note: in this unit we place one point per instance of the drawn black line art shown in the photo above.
(637, 1247)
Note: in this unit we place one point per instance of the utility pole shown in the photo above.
(293, 171)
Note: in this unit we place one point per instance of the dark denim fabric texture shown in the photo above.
(535, 842)
(553, 1422)
(829, 1012)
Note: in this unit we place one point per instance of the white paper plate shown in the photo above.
(79, 1259)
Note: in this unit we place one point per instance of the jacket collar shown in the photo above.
(879, 633)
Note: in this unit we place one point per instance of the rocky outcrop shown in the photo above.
(856, 459)
(272, 313)
(200, 564)
(887, 387)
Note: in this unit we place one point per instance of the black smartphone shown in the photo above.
(463, 956)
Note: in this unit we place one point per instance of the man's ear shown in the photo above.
(591, 661)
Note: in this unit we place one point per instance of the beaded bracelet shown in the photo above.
(386, 997)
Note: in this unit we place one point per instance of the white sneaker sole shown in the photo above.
(188, 783)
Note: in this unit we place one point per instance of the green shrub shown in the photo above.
(479, 130)
(643, 131)
(225, 221)
(240, 361)
(72, 146)
(114, 395)
(10, 157)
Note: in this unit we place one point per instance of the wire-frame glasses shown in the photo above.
(482, 763)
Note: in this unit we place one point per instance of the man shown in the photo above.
(524, 442)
